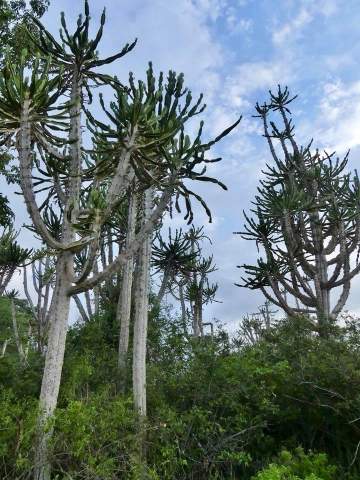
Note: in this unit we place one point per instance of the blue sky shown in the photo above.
(234, 51)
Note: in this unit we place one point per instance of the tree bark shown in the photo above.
(81, 308)
(163, 286)
(18, 342)
(123, 310)
(60, 305)
(141, 315)
(53, 365)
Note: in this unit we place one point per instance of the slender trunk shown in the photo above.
(140, 337)
(123, 310)
(4, 347)
(96, 291)
(53, 366)
(183, 306)
(81, 308)
(200, 310)
(141, 316)
(60, 304)
(88, 303)
(163, 286)
(16, 333)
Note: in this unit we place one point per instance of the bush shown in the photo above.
(95, 438)
(298, 466)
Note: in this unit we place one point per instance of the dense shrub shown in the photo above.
(217, 409)
(298, 466)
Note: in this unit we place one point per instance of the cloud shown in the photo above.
(309, 11)
(337, 117)
(211, 8)
(292, 29)
(252, 76)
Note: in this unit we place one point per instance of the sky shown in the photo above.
(234, 51)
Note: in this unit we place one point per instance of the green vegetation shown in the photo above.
(217, 409)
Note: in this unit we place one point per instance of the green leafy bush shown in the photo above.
(95, 438)
(298, 466)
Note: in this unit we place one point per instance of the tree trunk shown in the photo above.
(60, 305)
(81, 308)
(18, 342)
(163, 286)
(53, 365)
(140, 337)
(141, 315)
(123, 310)
(183, 306)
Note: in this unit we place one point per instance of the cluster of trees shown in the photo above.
(134, 390)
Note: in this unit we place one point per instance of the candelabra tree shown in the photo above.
(171, 258)
(188, 280)
(200, 292)
(164, 154)
(306, 221)
(41, 115)
(12, 257)
(39, 301)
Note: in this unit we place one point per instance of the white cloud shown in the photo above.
(337, 122)
(237, 24)
(293, 28)
(251, 76)
(211, 8)
(309, 10)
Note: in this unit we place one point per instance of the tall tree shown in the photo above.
(145, 140)
(306, 221)
(171, 258)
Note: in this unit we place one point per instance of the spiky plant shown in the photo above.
(12, 256)
(172, 257)
(306, 223)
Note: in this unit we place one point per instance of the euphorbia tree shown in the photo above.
(306, 222)
(145, 143)
(171, 258)
(12, 256)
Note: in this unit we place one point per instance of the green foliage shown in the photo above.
(298, 466)
(95, 438)
(216, 410)
(17, 433)
(14, 23)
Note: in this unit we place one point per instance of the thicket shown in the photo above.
(287, 407)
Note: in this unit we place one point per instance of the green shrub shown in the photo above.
(95, 438)
(17, 434)
(298, 466)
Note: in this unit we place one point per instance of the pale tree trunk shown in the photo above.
(141, 315)
(81, 308)
(140, 337)
(88, 304)
(60, 305)
(96, 291)
(183, 306)
(4, 347)
(164, 284)
(18, 341)
(53, 365)
(123, 310)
